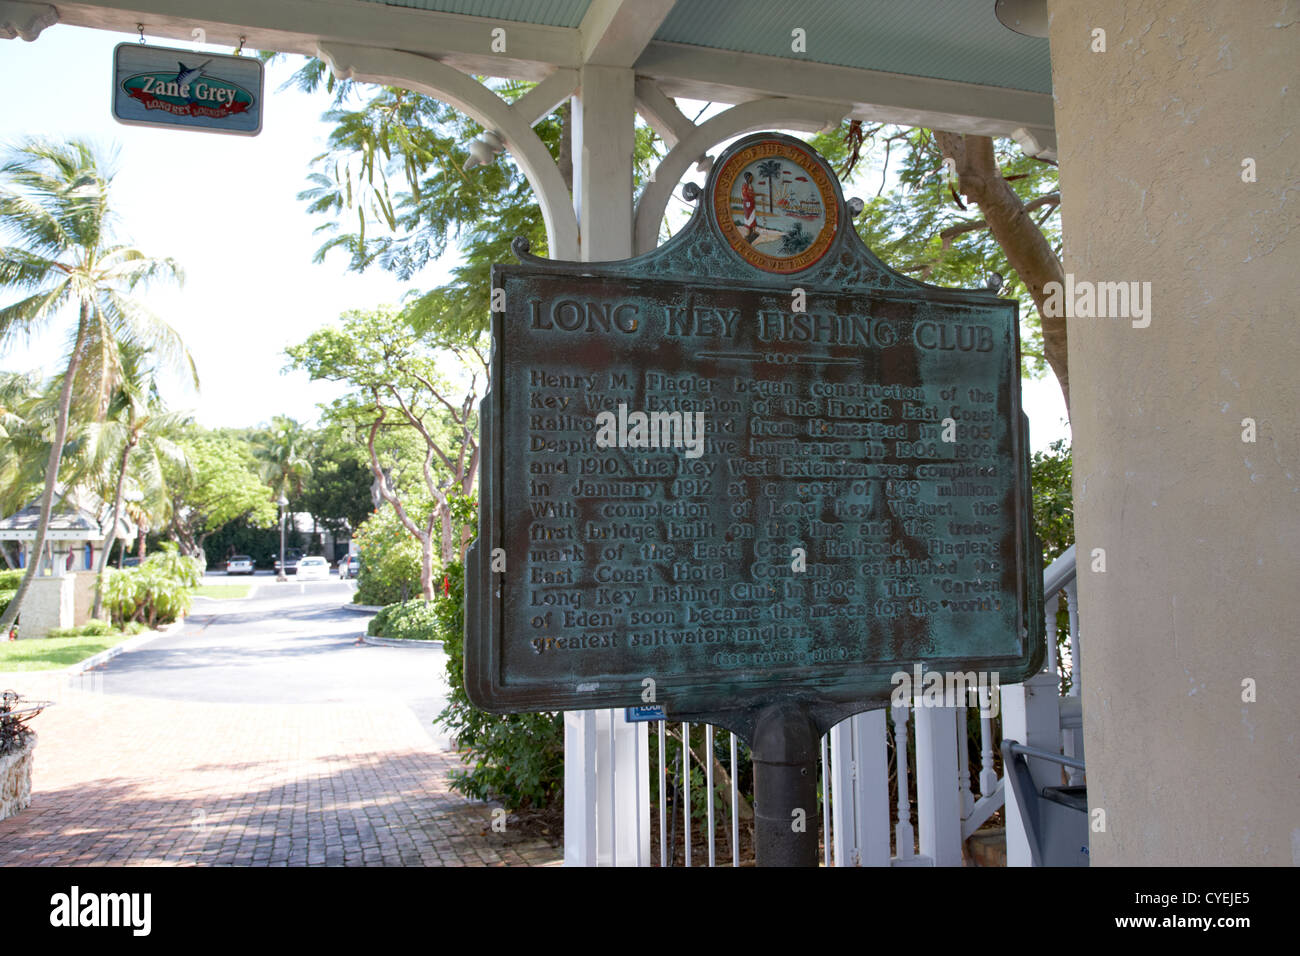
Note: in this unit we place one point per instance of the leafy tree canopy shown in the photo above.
(918, 224)
(222, 484)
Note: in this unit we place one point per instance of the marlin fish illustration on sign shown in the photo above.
(187, 76)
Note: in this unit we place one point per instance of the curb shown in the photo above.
(362, 608)
(130, 644)
(395, 642)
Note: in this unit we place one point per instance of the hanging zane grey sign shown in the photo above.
(187, 89)
(752, 466)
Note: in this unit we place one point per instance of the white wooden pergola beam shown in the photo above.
(661, 113)
(539, 102)
(615, 32)
(449, 85)
(726, 77)
(25, 20)
(297, 26)
(610, 31)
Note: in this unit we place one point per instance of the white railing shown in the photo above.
(901, 786)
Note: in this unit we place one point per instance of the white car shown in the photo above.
(313, 568)
(240, 564)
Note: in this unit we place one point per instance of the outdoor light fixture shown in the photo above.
(484, 150)
(1026, 17)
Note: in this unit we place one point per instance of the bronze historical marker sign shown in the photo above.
(754, 465)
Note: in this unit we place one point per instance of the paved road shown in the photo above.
(259, 734)
(287, 643)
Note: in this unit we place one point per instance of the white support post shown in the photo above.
(631, 790)
(938, 804)
(581, 839)
(1031, 714)
(606, 759)
(614, 790)
(604, 119)
(860, 784)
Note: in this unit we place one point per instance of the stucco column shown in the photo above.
(1190, 663)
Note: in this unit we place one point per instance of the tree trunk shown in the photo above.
(1026, 248)
(183, 535)
(4, 551)
(201, 550)
(426, 566)
(112, 531)
(425, 537)
(51, 468)
(447, 543)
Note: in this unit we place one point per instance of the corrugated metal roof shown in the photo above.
(551, 13)
(958, 40)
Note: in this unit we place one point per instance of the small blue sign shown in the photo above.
(639, 714)
(187, 89)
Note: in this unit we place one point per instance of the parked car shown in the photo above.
(314, 568)
(130, 562)
(291, 558)
(240, 564)
(349, 566)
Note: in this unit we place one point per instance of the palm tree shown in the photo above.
(19, 481)
(58, 224)
(770, 169)
(130, 445)
(282, 451)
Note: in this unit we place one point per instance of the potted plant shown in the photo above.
(17, 742)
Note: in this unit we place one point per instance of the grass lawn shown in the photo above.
(223, 590)
(52, 653)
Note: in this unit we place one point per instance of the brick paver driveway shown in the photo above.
(262, 733)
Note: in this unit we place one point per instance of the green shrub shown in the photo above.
(413, 621)
(390, 560)
(98, 628)
(515, 758)
(9, 581)
(157, 592)
(1054, 524)
(92, 628)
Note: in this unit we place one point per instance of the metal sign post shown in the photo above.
(749, 477)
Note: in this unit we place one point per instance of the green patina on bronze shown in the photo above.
(857, 502)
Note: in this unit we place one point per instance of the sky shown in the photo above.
(225, 207)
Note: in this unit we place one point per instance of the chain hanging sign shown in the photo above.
(187, 89)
